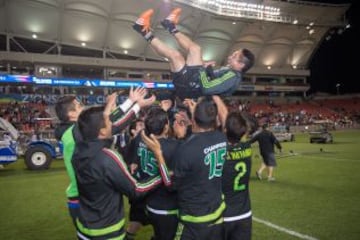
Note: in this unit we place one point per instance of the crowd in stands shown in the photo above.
(342, 112)
(25, 116)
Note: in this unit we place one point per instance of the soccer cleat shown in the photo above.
(142, 24)
(174, 16)
(258, 175)
(170, 21)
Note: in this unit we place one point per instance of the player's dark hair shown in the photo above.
(248, 59)
(90, 122)
(235, 126)
(205, 113)
(63, 106)
(156, 121)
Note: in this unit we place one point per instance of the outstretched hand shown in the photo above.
(190, 104)
(144, 102)
(110, 103)
(137, 93)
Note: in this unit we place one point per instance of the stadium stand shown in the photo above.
(93, 41)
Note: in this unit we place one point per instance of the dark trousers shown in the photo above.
(238, 230)
(200, 231)
(164, 226)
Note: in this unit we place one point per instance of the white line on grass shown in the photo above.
(277, 156)
(282, 229)
(332, 158)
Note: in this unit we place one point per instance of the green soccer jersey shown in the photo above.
(69, 146)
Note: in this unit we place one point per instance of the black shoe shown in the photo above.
(170, 26)
(167, 24)
(142, 24)
(139, 29)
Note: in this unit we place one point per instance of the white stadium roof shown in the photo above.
(106, 25)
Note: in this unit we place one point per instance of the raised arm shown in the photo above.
(122, 179)
(222, 109)
(125, 113)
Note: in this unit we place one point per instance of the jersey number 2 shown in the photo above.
(241, 169)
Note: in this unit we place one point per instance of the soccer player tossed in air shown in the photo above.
(192, 77)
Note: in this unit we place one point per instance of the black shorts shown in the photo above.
(269, 159)
(138, 212)
(200, 231)
(238, 230)
(165, 226)
(187, 82)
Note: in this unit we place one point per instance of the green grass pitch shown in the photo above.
(315, 196)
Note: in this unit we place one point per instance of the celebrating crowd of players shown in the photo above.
(186, 172)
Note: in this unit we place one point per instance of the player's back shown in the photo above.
(198, 170)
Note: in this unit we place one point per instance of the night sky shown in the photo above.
(334, 61)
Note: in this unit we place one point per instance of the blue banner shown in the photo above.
(52, 98)
(72, 82)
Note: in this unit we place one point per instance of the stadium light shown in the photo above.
(239, 9)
